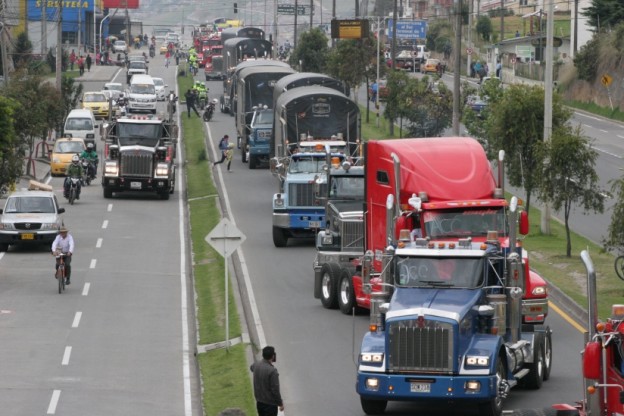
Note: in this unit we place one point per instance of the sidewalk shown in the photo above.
(99, 73)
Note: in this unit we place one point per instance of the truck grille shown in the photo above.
(352, 234)
(27, 226)
(420, 346)
(302, 194)
(136, 164)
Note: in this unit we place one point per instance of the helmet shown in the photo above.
(215, 101)
(75, 159)
(90, 146)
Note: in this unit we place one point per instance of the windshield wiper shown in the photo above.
(437, 283)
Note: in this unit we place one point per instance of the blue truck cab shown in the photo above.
(297, 210)
(257, 145)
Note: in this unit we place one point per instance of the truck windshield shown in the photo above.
(462, 272)
(263, 117)
(307, 164)
(347, 187)
(139, 134)
(464, 222)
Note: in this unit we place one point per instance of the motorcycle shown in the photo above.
(209, 111)
(152, 51)
(72, 192)
(121, 103)
(89, 169)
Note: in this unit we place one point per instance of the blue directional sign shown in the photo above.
(409, 29)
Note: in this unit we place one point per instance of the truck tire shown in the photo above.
(535, 378)
(108, 193)
(373, 407)
(253, 162)
(548, 356)
(330, 275)
(346, 294)
(280, 239)
(494, 407)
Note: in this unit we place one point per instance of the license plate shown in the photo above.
(27, 236)
(135, 185)
(315, 224)
(416, 387)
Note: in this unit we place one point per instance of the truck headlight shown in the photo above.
(8, 226)
(372, 383)
(162, 170)
(111, 169)
(328, 239)
(279, 202)
(47, 226)
(539, 291)
(372, 357)
(477, 360)
(472, 386)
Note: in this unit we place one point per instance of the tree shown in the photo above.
(603, 15)
(431, 109)
(10, 160)
(484, 27)
(514, 122)
(569, 178)
(23, 51)
(438, 29)
(353, 61)
(587, 59)
(311, 50)
(615, 235)
(399, 97)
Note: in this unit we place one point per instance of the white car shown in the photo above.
(120, 46)
(161, 88)
(116, 89)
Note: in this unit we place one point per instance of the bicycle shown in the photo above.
(619, 266)
(60, 271)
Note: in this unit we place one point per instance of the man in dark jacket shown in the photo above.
(266, 384)
(191, 97)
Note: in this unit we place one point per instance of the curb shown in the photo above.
(569, 306)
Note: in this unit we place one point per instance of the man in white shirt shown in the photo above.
(64, 243)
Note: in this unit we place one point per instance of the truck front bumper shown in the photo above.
(136, 184)
(411, 387)
(306, 219)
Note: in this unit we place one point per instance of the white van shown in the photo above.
(80, 123)
(141, 94)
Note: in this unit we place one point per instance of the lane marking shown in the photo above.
(620, 136)
(2, 255)
(98, 244)
(587, 125)
(567, 317)
(109, 208)
(92, 265)
(85, 289)
(66, 356)
(56, 394)
(105, 224)
(604, 131)
(76, 319)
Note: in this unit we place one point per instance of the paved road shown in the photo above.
(117, 342)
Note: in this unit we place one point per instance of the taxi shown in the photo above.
(97, 103)
(62, 153)
(163, 48)
(431, 65)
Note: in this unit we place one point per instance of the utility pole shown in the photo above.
(79, 24)
(392, 52)
(59, 46)
(548, 100)
(44, 28)
(470, 25)
(312, 13)
(333, 17)
(274, 22)
(575, 49)
(296, 14)
(502, 17)
(457, 67)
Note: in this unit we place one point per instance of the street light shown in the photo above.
(101, 23)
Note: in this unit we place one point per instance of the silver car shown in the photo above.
(30, 217)
(161, 88)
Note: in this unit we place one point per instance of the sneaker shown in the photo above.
(67, 282)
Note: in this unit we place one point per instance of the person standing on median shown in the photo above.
(266, 384)
(190, 102)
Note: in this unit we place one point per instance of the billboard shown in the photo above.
(73, 12)
(409, 29)
(120, 4)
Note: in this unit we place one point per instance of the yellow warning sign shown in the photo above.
(606, 80)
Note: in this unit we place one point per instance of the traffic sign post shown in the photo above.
(225, 238)
(409, 29)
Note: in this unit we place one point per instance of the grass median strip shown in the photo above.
(225, 375)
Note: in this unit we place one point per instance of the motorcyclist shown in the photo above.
(91, 155)
(74, 170)
(202, 92)
(152, 50)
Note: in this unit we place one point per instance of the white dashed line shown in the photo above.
(587, 125)
(621, 137)
(92, 265)
(109, 208)
(76, 319)
(66, 356)
(105, 224)
(98, 244)
(604, 131)
(85, 289)
(56, 394)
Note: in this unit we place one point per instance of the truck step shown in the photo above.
(520, 374)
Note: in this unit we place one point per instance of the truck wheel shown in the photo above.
(495, 406)
(535, 377)
(108, 193)
(252, 162)
(280, 239)
(547, 353)
(346, 295)
(330, 276)
(373, 407)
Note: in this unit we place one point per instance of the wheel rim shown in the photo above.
(326, 286)
(345, 291)
(547, 352)
(499, 379)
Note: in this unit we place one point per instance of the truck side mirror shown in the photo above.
(524, 223)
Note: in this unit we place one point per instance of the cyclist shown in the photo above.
(91, 155)
(64, 243)
(74, 170)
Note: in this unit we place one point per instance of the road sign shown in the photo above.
(289, 9)
(606, 80)
(469, 51)
(225, 238)
(409, 29)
